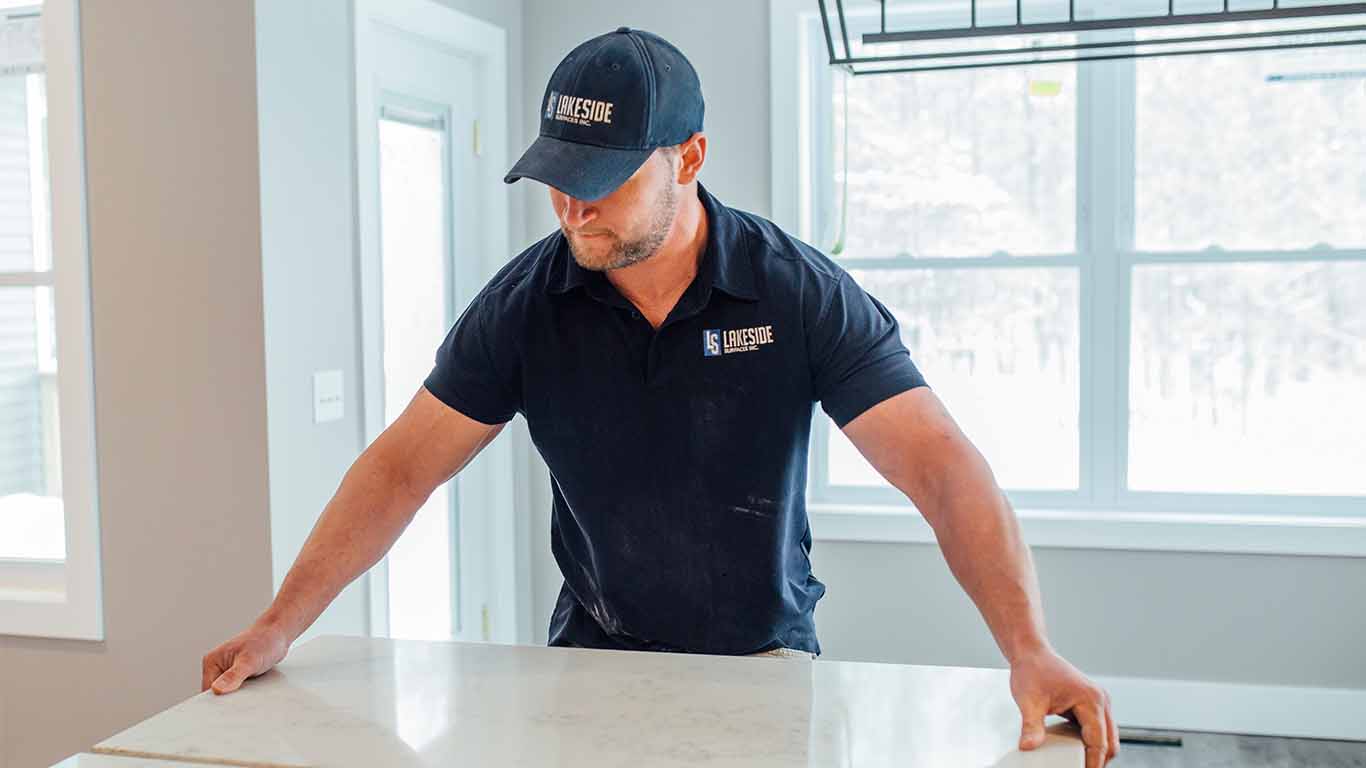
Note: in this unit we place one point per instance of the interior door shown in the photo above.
(420, 138)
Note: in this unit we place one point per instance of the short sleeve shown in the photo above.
(857, 358)
(469, 375)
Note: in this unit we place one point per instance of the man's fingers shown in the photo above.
(1032, 714)
(209, 670)
(1113, 731)
(1093, 732)
(232, 679)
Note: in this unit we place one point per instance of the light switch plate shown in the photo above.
(328, 403)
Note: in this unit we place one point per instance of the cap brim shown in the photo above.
(581, 171)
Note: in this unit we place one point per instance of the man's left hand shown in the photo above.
(1043, 684)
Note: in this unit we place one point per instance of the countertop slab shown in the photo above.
(353, 701)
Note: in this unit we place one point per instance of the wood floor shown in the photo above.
(1217, 750)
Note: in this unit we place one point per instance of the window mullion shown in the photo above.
(1105, 235)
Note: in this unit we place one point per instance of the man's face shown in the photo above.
(629, 224)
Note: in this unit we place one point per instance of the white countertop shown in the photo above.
(350, 701)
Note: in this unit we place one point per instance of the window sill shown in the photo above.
(1141, 531)
(32, 581)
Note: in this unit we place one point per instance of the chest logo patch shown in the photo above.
(717, 342)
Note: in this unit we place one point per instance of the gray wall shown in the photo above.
(179, 374)
(1227, 618)
(305, 58)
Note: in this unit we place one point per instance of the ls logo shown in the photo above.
(711, 343)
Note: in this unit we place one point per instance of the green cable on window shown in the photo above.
(838, 247)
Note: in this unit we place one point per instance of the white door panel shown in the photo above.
(423, 234)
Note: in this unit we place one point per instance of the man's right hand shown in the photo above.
(425, 446)
(248, 654)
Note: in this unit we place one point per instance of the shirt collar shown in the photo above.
(725, 263)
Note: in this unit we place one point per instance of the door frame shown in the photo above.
(488, 599)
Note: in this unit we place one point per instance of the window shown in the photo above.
(1138, 285)
(30, 464)
(1247, 278)
(413, 203)
(49, 565)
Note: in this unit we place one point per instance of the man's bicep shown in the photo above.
(908, 438)
(430, 442)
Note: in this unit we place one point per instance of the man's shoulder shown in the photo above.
(516, 292)
(785, 260)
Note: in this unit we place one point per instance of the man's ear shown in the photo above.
(692, 154)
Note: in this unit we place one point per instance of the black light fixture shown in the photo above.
(963, 55)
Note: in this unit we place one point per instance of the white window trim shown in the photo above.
(64, 598)
(1229, 523)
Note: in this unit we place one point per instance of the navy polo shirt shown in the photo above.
(678, 456)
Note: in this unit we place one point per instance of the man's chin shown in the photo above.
(594, 264)
(594, 259)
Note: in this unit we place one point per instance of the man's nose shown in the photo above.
(577, 212)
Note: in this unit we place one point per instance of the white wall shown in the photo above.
(179, 374)
(1227, 618)
(308, 255)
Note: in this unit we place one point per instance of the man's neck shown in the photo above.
(654, 285)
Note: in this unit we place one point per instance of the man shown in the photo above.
(666, 352)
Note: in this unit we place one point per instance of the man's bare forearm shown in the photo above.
(914, 443)
(981, 541)
(360, 524)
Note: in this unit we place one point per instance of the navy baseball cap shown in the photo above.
(609, 104)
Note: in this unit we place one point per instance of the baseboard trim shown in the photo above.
(1260, 710)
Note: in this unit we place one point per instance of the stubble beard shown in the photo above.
(626, 253)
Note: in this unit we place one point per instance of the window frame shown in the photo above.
(63, 598)
(1102, 512)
